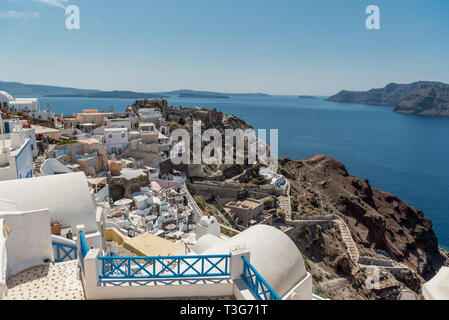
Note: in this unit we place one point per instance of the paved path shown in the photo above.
(60, 281)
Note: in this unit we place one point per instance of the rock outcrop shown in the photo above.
(322, 185)
(422, 97)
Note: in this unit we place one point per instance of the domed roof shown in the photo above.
(206, 242)
(207, 221)
(272, 253)
(6, 95)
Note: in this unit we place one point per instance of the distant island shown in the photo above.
(112, 95)
(422, 97)
(184, 93)
(306, 97)
(199, 95)
(18, 88)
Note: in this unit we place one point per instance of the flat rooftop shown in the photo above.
(41, 129)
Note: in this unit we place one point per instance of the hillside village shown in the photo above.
(96, 195)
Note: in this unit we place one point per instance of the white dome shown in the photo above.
(272, 253)
(5, 97)
(206, 242)
(207, 221)
(207, 225)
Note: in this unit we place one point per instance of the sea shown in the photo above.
(406, 155)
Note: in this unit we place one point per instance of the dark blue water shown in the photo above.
(405, 155)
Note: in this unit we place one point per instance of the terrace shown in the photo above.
(106, 277)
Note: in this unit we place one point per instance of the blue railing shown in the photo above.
(114, 267)
(83, 245)
(64, 252)
(258, 286)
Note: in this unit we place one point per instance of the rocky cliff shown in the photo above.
(423, 97)
(376, 219)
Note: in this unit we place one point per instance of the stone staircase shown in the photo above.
(38, 162)
(347, 238)
(285, 203)
(361, 262)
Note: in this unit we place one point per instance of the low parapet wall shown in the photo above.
(375, 261)
(29, 243)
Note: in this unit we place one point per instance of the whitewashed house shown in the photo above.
(275, 179)
(16, 155)
(149, 115)
(118, 123)
(19, 104)
(116, 140)
(67, 197)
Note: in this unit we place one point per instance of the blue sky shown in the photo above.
(278, 47)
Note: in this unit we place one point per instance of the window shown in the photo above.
(110, 136)
(123, 135)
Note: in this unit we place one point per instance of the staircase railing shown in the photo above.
(258, 286)
(64, 252)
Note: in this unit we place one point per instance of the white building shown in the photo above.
(122, 120)
(43, 115)
(279, 181)
(116, 140)
(67, 197)
(149, 115)
(16, 155)
(119, 123)
(19, 104)
(275, 179)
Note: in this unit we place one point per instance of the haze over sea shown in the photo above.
(405, 155)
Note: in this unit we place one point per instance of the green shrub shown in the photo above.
(63, 142)
(200, 202)
(319, 291)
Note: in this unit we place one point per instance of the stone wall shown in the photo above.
(218, 190)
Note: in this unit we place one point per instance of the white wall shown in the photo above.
(31, 134)
(22, 104)
(117, 139)
(29, 242)
(24, 161)
(66, 195)
(3, 258)
(119, 123)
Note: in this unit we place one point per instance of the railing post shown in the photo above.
(236, 261)
(79, 228)
(58, 253)
(92, 271)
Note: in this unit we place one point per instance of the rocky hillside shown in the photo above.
(376, 219)
(423, 97)
(334, 274)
